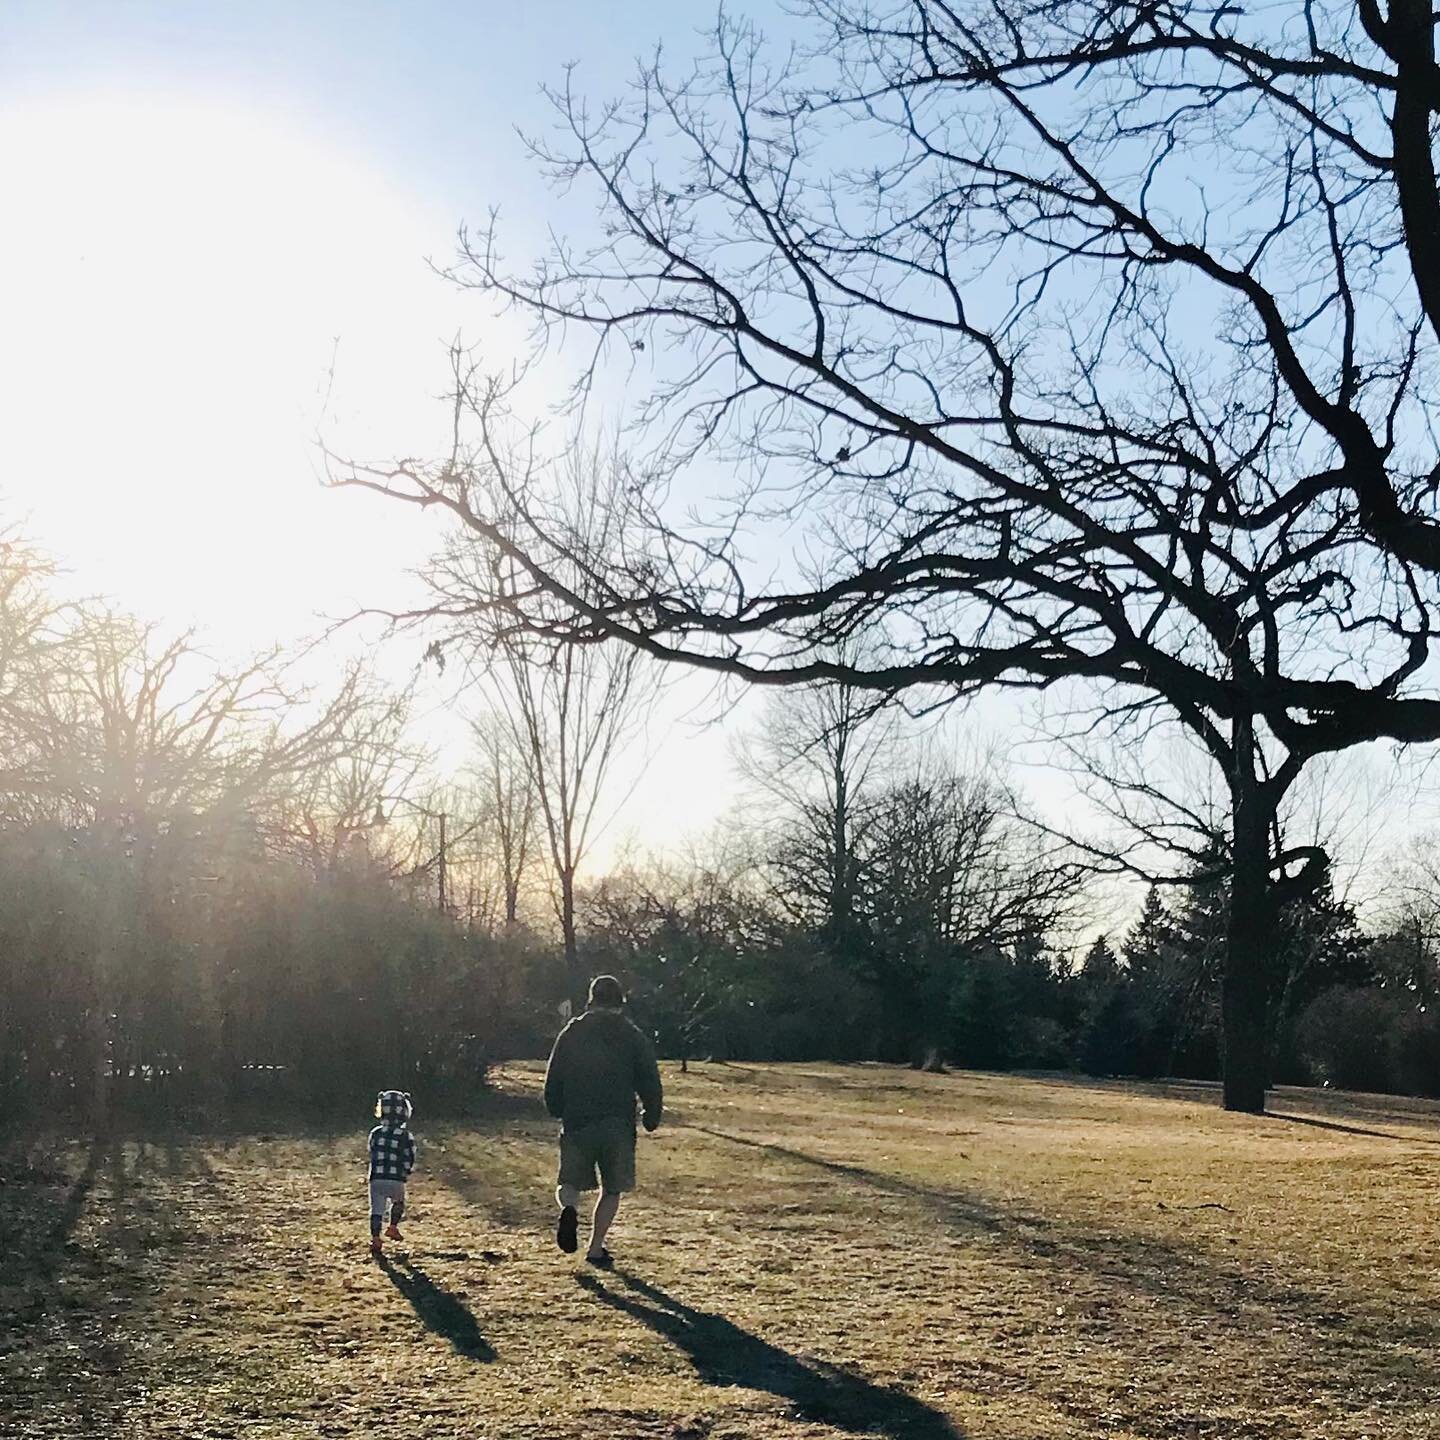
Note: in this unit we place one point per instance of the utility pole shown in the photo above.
(442, 862)
(439, 815)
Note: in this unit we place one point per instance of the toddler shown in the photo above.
(392, 1158)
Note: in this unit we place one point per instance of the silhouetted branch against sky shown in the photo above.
(1035, 402)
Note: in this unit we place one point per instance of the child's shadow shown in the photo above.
(439, 1309)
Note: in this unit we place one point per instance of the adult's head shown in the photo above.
(605, 993)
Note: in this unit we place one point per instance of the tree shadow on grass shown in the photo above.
(513, 1192)
(1334, 1105)
(511, 1181)
(440, 1310)
(55, 1271)
(1224, 1296)
(724, 1354)
(958, 1210)
(1352, 1129)
(43, 1206)
(68, 1215)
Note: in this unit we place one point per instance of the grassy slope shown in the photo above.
(816, 1251)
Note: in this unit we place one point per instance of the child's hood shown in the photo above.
(393, 1108)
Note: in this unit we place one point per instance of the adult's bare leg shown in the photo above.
(606, 1209)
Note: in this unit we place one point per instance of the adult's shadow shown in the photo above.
(724, 1354)
(440, 1310)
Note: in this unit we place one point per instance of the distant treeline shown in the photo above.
(218, 885)
(210, 898)
(187, 970)
(1349, 1009)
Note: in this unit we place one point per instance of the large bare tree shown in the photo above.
(113, 721)
(1081, 341)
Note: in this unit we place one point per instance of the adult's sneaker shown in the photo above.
(567, 1230)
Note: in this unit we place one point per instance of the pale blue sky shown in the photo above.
(425, 89)
(428, 95)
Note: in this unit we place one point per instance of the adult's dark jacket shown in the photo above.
(600, 1064)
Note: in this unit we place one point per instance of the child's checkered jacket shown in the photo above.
(392, 1146)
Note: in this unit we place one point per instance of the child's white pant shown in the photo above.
(383, 1190)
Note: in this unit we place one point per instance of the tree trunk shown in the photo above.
(574, 978)
(1245, 1031)
(1250, 944)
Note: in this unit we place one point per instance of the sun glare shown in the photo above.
(177, 276)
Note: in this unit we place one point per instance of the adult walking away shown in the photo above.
(600, 1065)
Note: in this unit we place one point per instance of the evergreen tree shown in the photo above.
(1159, 968)
(1108, 1039)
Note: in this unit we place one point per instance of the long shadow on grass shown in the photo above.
(41, 1225)
(43, 1251)
(1335, 1105)
(958, 1209)
(40, 1221)
(724, 1354)
(440, 1310)
(69, 1214)
(1226, 1297)
(1352, 1129)
(77, 1352)
(502, 1180)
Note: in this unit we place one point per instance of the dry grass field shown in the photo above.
(816, 1252)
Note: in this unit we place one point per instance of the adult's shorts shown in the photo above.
(606, 1146)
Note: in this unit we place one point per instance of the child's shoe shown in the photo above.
(376, 1248)
(391, 1233)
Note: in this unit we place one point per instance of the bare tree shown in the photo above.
(1040, 402)
(685, 933)
(906, 865)
(572, 711)
(323, 813)
(141, 746)
(115, 721)
(954, 870)
(576, 711)
(506, 778)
